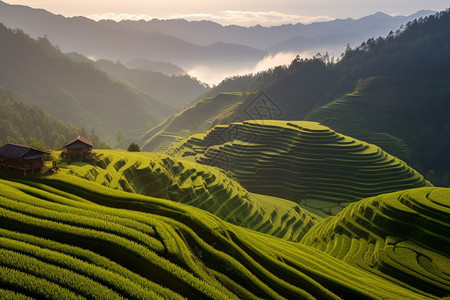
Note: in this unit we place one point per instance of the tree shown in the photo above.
(35, 143)
(59, 142)
(134, 148)
(119, 138)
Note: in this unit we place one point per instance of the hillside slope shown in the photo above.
(23, 124)
(155, 66)
(306, 162)
(408, 117)
(60, 239)
(208, 188)
(202, 116)
(176, 91)
(40, 74)
(401, 236)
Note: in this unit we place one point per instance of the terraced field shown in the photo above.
(198, 118)
(393, 108)
(198, 185)
(402, 236)
(62, 238)
(306, 162)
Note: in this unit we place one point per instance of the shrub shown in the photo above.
(134, 148)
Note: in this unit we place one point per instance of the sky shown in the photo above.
(239, 12)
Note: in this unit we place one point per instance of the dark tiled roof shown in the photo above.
(80, 139)
(17, 151)
(32, 157)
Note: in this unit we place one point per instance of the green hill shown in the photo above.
(63, 238)
(23, 124)
(40, 74)
(417, 50)
(302, 161)
(402, 237)
(405, 116)
(198, 118)
(175, 90)
(205, 187)
(155, 66)
(215, 106)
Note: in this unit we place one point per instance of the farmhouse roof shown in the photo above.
(79, 139)
(18, 151)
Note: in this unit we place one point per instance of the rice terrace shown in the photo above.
(277, 150)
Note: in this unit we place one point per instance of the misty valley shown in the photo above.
(178, 159)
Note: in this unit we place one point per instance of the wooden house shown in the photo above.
(79, 149)
(22, 159)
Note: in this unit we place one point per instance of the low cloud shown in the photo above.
(273, 60)
(215, 76)
(212, 75)
(120, 17)
(251, 18)
(227, 17)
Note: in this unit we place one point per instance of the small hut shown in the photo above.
(79, 149)
(22, 159)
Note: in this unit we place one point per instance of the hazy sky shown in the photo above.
(241, 12)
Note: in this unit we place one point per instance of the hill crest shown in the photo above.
(303, 161)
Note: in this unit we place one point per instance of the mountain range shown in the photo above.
(76, 92)
(174, 90)
(194, 44)
(111, 40)
(289, 37)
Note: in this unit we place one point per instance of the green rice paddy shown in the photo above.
(64, 237)
(195, 119)
(302, 161)
(402, 236)
(153, 226)
(205, 187)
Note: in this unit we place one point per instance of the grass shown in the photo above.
(302, 161)
(66, 237)
(401, 236)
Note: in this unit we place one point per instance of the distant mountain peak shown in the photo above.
(379, 13)
(422, 13)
